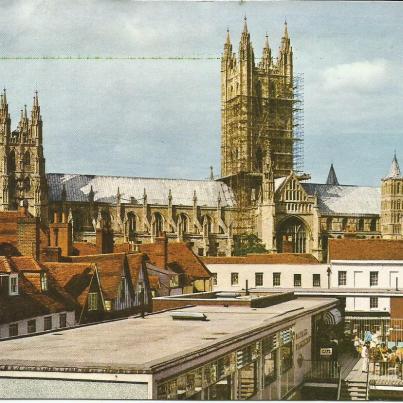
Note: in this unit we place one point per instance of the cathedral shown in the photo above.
(261, 190)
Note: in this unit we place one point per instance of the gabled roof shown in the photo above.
(105, 189)
(110, 267)
(264, 258)
(180, 259)
(5, 266)
(365, 249)
(74, 278)
(26, 264)
(345, 199)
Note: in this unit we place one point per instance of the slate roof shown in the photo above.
(365, 249)
(105, 189)
(345, 199)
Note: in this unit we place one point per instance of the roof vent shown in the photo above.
(188, 316)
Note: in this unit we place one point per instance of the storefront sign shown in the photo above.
(326, 351)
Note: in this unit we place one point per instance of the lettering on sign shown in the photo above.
(326, 351)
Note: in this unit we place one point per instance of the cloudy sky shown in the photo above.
(161, 117)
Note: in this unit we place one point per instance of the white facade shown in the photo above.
(22, 325)
(247, 272)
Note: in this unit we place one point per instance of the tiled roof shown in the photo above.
(26, 263)
(31, 302)
(271, 258)
(5, 266)
(110, 268)
(74, 278)
(180, 258)
(365, 249)
(84, 248)
(154, 282)
(8, 231)
(105, 189)
(345, 199)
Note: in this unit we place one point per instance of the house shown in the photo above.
(180, 271)
(29, 301)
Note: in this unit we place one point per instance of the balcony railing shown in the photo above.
(321, 371)
(385, 373)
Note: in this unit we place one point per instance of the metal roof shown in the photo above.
(345, 199)
(105, 190)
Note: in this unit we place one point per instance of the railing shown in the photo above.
(321, 371)
(385, 373)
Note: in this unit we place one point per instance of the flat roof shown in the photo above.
(140, 345)
(329, 291)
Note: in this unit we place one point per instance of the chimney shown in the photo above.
(161, 250)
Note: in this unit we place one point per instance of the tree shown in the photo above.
(248, 243)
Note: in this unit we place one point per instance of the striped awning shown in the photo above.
(332, 317)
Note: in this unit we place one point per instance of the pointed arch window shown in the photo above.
(131, 225)
(157, 225)
(373, 225)
(206, 225)
(11, 161)
(27, 160)
(259, 160)
(361, 224)
(183, 224)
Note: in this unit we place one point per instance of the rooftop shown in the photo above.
(138, 345)
(264, 258)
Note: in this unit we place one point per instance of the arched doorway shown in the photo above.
(292, 235)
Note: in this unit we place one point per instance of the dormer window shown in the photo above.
(13, 284)
(44, 282)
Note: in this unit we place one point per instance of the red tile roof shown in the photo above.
(267, 258)
(84, 248)
(365, 249)
(26, 263)
(110, 268)
(5, 266)
(154, 282)
(180, 257)
(74, 278)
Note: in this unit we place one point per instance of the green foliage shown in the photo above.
(248, 243)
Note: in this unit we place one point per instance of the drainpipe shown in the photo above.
(246, 288)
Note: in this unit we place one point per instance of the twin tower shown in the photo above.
(22, 164)
(257, 128)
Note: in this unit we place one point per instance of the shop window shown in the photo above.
(373, 278)
(63, 320)
(47, 323)
(286, 356)
(316, 280)
(234, 278)
(93, 301)
(342, 277)
(373, 302)
(297, 280)
(276, 279)
(13, 330)
(31, 326)
(258, 279)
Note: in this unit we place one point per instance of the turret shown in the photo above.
(266, 56)
(331, 177)
(286, 55)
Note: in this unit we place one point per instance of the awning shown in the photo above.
(332, 317)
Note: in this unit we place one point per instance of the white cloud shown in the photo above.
(357, 77)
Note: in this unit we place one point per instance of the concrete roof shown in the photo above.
(105, 189)
(137, 344)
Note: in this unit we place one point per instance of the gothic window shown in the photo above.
(206, 225)
(157, 224)
(373, 224)
(131, 225)
(398, 188)
(106, 217)
(27, 184)
(183, 224)
(27, 160)
(11, 161)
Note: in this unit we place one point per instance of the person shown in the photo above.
(365, 357)
(357, 346)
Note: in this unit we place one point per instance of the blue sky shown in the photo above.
(161, 118)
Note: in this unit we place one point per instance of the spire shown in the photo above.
(266, 57)
(331, 177)
(4, 96)
(394, 172)
(285, 30)
(266, 42)
(25, 112)
(36, 99)
(228, 41)
(245, 25)
(245, 34)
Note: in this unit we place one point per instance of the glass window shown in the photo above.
(297, 280)
(174, 281)
(258, 279)
(31, 326)
(234, 278)
(47, 323)
(93, 301)
(13, 330)
(373, 302)
(269, 368)
(214, 278)
(63, 320)
(276, 279)
(13, 285)
(316, 280)
(342, 278)
(108, 305)
(44, 282)
(373, 278)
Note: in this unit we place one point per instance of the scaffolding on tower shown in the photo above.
(298, 124)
